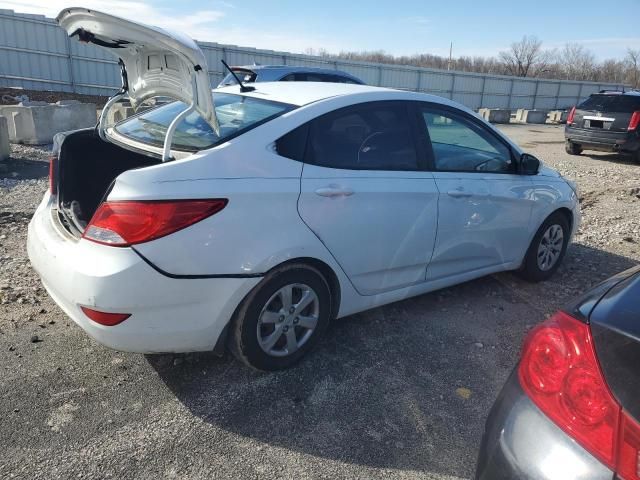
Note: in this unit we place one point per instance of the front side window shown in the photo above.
(236, 114)
(367, 137)
(461, 145)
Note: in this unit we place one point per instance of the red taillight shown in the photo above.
(105, 318)
(560, 372)
(125, 223)
(53, 181)
(634, 121)
(629, 449)
(572, 114)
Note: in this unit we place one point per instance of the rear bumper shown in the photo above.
(167, 315)
(606, 140)
(521, 442)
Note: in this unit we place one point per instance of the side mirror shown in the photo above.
(529, 165)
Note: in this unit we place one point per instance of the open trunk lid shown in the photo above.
(154, 62)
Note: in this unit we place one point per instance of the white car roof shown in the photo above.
(303, 93)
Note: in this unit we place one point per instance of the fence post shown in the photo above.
(284, 59)
(580, 93)
(535, 94)
(67, 45)
(557, 96)
(453, 86)
(484, 82)
(379, 75)
(510, 94)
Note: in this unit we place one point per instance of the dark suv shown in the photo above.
(606, 121)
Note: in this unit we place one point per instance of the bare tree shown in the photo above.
(525, 57)
(578, 63)
(633, 62)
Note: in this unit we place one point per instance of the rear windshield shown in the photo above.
(236, 114)
(612, 103)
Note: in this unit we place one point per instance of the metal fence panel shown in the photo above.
(36, 54)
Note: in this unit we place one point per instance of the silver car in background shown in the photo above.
(287, 73)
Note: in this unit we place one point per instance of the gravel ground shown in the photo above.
(401, 391)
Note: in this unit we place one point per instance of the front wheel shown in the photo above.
(282, 318)
(547, 249)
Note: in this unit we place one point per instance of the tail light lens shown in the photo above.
(126, 223)
(634, 121)
(572, 113)
(560, 372)
(53, 180)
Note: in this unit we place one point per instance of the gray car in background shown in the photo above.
(287, 73)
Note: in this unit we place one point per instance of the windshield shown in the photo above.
(612, 103)
(236, 114)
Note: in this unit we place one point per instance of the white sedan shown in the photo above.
(250, 218)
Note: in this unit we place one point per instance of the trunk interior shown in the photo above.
(87, 167)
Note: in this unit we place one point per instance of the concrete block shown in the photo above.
(534, 116)
(35, 123)
(5, 151)
(495, 115)
(119, 112)
(524, 115)
(558, 116)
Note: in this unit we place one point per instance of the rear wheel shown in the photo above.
(636, 157)
(547, 249)
(282, 319)
(572, 148)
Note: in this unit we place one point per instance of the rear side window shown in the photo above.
(294, 144)
(460, 145)
(611, 103)
(374, 136)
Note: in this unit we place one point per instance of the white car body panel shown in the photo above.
(380, 251)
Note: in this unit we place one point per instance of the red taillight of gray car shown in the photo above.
(572, 114)
(560, 372)
(126, 223)
(634, 121)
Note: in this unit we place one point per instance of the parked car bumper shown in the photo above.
(521, 442)
(606, 140)
(167, 314)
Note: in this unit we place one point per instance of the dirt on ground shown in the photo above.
(401, 391)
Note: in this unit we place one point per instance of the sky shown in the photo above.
(399, 27)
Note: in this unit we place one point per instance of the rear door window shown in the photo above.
(372, 136)
(611, 103)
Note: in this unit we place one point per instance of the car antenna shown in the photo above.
(243, 87)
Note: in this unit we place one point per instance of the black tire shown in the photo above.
(636, 157)
(243, 339)
(572, 148)
(531, 269)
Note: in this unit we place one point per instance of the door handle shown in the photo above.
(333, 191)
(459, 194)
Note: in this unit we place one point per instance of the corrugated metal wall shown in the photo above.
(36, 54)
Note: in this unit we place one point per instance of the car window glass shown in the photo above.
(289, 78)
(294, 143)
(611, 103)
(236, 114)
(370, 137)
(461, 145)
